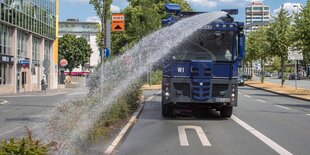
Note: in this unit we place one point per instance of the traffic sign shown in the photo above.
(25, 66)
(46, 63)
(294, 54)
(106, 52)
(118, 22)
(63, 62)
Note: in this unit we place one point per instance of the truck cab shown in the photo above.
(203, 70)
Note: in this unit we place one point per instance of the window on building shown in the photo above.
(35, 49)
(47, 49)
(257, 8)
(249, 8)
(86, 36)
(266, 8)
(22, 38)
(5, 39)
(5, 76)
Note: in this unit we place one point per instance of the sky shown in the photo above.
(82, 10)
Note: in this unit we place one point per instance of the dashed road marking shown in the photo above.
(183, 137)
(2, 102)
(261, 100)
(308, 114)
(283, 107)
(248, 96)
(149, 98)
(276, 147)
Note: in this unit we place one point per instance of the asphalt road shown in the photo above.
(20, 111)
(263, 123)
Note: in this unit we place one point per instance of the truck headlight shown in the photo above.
(167, 94)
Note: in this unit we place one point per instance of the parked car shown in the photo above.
(240, 81)
(246, 76)
(292, 76)
(267, 74)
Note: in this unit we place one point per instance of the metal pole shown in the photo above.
(103, 30)
(296, 74)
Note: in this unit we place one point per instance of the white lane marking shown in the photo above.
(183, 137)
(10, 131)
(149, 98)
(159, 92)
(4, 102)
(248, 96)
(308, 114)
(276, 147)
(282, 107)
(261, 100)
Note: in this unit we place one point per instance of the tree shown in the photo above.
(76, 50)
(278, 36)
(142, 18)
(301, 36)
(257, 48)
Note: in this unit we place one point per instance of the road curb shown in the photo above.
(283, 94)
(116, 142)
(3, 102)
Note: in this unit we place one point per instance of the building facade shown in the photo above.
(256, 13)
(27, 34)
(87, 30)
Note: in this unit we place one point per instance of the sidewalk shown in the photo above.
(49, 92)
(300, 93)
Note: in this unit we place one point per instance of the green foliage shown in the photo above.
(76, 50)
(278, 36)
(301, 29)
(156, 77)
(25, 146)
(142, 17)
(276, 65)
(258, 48)
(120, 110)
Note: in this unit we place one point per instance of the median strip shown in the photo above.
(276, 147)
(124, 131)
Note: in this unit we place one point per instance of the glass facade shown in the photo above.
(36, 16)
(5, 39)
(35, 49)
(22, 38)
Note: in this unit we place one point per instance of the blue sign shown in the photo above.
(24, 61)
(106, 52)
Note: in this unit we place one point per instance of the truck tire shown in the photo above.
(166, 110)
(226, 111)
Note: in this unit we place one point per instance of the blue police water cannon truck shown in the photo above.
(202, 72)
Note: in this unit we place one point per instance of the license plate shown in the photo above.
(222, 100)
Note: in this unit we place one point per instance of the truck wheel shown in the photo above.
(226, 111)
(166, 110)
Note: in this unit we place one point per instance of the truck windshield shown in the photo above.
(206, 45)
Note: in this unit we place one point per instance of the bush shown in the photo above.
(24, 146)
(120, 110)
(156, 77)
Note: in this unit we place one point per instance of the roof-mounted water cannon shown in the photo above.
(231, 11)
(172, 8)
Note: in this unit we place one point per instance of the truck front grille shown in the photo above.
(184, 87)
(217, 88)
